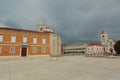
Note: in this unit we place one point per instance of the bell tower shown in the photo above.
(41, 25)
(104, 38)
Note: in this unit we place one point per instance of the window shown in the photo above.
(92, 48)
(12, 49)
(1, 38)
(43, 40)
(43, 50)
(13, 38)
(0, 49)
(24, 39)
(34, 49)
(34, 40)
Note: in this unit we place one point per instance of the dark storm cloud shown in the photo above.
(75, 20)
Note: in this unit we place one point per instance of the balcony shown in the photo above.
(24, 44)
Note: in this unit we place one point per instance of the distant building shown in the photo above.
(103, 48)
(20, 42)
(75, 49)
(95, 50)
(62, 49)
(107, 43)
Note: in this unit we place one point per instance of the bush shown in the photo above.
(117, 47)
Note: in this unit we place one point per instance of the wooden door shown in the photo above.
(24, 52)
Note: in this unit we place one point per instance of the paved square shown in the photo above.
(66, 68)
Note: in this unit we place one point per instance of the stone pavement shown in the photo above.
(66, 68)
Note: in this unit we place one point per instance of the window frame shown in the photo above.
(24, 39)
(35, 40)
(12, 51)
(34, 49)
(44, 40)
(0, 49)
(43, 49)
(13, 38)
(1, 37)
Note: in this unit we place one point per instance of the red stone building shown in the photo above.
(20, 42)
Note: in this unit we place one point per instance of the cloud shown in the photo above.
(74, 20)
(2, 25)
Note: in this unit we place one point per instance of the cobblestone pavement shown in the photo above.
(66, 68)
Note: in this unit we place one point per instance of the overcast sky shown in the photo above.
(75, 21)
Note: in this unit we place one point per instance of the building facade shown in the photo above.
(20, 42)
(63, 49)
(103, 48)
(95, 50)
(75, 49)
(107, 43)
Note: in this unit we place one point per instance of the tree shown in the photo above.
(117, 47)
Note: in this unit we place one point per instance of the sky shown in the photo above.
(76, 21)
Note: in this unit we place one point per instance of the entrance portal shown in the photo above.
(24, 52)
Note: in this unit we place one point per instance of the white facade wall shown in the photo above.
(104, 38)
(107, 43)
(95, 50)
(55, 44)
(76, 48)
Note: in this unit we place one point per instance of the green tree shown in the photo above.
(117, 47)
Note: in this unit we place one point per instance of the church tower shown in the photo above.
(104, 38)
(43, 28)
(41, 25)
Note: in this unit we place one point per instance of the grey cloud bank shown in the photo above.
(75, 20)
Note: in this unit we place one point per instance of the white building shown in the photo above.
(95, 50)
(107, 43)
(103, 48)
(75, 49)
(55, 45)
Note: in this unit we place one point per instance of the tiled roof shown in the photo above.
(16, 29)
(95, 44)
